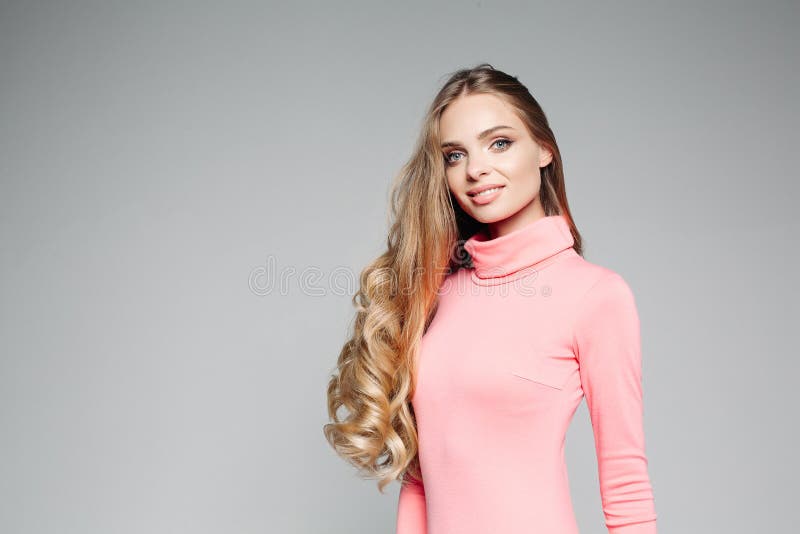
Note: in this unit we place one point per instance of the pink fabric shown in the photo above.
(516, 344)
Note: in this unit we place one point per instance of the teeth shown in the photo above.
(488, 191)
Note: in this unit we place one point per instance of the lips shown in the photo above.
(474, 191)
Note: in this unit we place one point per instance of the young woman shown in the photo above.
(482, 327)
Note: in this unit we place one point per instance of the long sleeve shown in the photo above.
(608, 348)
(411, 508)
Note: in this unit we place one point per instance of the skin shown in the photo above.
(509, 157)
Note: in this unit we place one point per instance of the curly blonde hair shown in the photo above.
(398, 291)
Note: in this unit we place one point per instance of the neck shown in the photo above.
(527, 246)
(527, 215)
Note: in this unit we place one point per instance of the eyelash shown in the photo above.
(508, 142)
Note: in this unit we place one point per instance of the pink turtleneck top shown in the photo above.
(518, 340)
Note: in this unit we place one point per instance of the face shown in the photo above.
(479, 155)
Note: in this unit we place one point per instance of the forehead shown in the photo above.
(467, 116)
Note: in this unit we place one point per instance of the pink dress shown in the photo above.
(517, 342)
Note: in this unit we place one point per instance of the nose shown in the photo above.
(476, 168)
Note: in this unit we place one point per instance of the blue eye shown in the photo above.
(447, 157)
(508, 142)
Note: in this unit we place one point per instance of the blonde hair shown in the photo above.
(397, 297)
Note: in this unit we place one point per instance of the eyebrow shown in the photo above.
(481, 135)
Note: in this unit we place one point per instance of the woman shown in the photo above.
(482, 327)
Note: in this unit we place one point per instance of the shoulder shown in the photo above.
(597, 281)
(606, 314)
(600, 290)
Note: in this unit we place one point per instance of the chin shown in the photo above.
(491, 220)
(487, 217)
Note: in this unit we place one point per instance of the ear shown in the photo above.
(545, 157)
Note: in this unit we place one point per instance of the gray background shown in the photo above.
(158, 158)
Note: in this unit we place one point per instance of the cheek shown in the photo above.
(525, 188)
(525, 176)
(454, 187)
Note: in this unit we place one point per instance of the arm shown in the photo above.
(607, 342)
(411, 508)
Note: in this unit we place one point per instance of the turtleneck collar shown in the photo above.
(526, 248)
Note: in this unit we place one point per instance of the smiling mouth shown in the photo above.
(486, 192)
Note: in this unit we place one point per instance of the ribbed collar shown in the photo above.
(499, 258)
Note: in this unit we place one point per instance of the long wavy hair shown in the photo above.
(397, 297)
